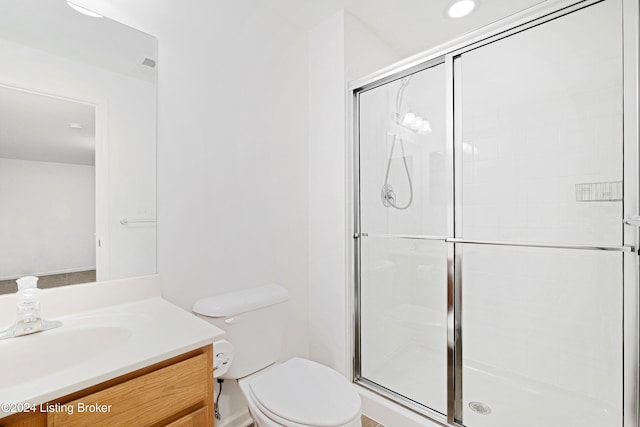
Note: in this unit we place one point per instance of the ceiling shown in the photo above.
(36, 127)
(407, 26)
(52, 26)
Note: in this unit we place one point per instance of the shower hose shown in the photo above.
(388, 195)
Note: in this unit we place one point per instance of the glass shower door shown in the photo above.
(539, 224)
(496, 284)
(402, 251)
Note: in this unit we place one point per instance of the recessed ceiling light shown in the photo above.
(83, 10)
(75, 126)
(461, 8)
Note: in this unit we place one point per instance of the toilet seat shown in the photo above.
(302, 393)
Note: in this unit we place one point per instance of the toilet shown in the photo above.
(295, 393)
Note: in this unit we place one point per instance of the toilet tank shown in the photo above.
(254, 322)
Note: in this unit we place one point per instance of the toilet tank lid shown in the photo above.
(232, 303)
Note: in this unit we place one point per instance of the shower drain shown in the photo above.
(480, 408)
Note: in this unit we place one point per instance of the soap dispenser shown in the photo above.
(28, 320)
(28, 306)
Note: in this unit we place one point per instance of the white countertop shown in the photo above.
(111, 338)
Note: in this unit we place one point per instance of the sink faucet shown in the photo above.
(28, 320)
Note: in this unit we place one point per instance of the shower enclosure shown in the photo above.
(495, 225)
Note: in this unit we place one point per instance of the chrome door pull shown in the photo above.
(632, 220)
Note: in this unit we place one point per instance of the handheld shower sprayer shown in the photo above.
(388, 196)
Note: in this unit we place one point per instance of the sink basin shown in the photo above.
(55, 350)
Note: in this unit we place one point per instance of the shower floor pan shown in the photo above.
(419, 373)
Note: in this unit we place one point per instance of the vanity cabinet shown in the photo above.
(177, 392)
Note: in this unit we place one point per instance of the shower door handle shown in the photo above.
(632, 220)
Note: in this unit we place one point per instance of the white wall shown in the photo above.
(340, 49)
(232, 153)
(47, 220)
(364, 51)
(327, 161)
(125, 135)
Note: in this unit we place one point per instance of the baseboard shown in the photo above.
(241, 419)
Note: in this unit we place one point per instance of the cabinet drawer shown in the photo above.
(25, 419)
(194, 419)
(141, 401)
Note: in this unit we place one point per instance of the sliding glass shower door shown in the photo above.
(493, 269)
(542, 326)
(403, 194)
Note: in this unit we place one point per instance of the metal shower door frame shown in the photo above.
(448, 55)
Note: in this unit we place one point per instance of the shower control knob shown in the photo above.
(388, 195)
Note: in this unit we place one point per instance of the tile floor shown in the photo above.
(368, 422)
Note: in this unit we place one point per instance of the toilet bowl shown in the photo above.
(301, 393)
(295, 393)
